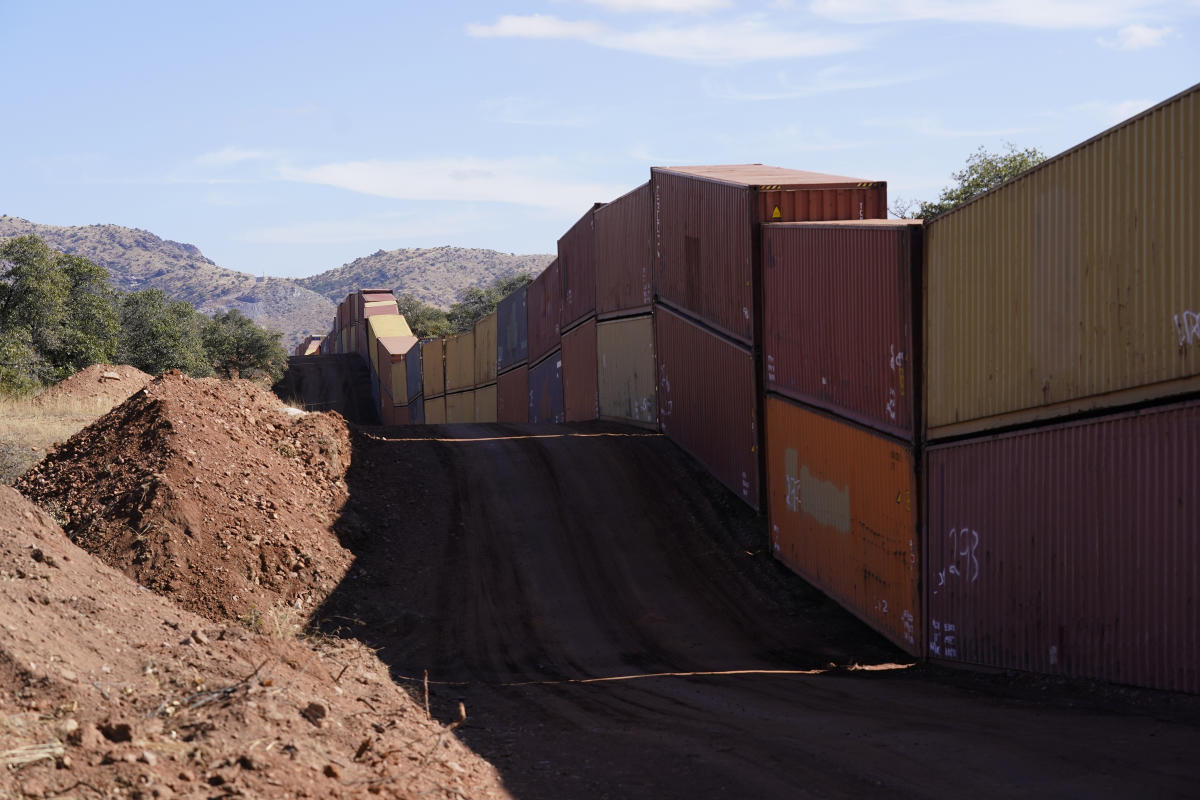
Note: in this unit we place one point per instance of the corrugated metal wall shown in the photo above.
(485, 403)
(416, 411)
(579, 372)
(544, 308)
(512, 341)
(838, 314)
(435, 410)
(626, 380)
(460, 407)
(460, 362)
(512, 395)
(485, 350)
(1071, 549)
(707, 401)
(433, 367)
(843, 513)
(624, 253)
(1072, 286)
(577, 269)
(546, 390)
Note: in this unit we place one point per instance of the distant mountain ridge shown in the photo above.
(137, 259)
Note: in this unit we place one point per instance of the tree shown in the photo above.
(426, 321)
(983, 171)
(477, 302)
(238, 348)
(158, 334)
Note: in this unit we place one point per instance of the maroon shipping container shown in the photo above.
(1071, 549)
(705, 224)
(512, 340)
(546, 390)
(625, 253)
(579, 373)
(543, 309)
(838, 318)
(512, 395)
(577, 269)
(707, 401)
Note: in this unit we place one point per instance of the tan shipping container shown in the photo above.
(433, 367)
(379, 327)
(435, 410)
(460, 407)
(460, 362)
(485, 403)
(625, 370)
(843, 512)
(485, 350)
(1074, 286)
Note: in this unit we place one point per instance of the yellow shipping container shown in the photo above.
(485, 350)
(435, 410)
(381, 326)
(485, 403)
(433, 367)
(460, 362)
(460, 407)
(625, 370)
(1074, 286)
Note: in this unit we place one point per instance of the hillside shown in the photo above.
(434, 275)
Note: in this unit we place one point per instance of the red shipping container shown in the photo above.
(1071, 549)
(577, 269)
(707, 401)
(579, 372)
(705, 224)
(838, 318)
(512, 395)
(625, 253)
(543, 299)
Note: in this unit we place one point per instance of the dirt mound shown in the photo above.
(98, 383)
(208, 491)
(109, 690)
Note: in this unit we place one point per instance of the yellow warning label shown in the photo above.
(776, 214)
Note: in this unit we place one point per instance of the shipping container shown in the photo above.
(842, 502)
(414, 372)
(416, 411)
(433, 367)
(706, 220)
(512, 341)
(460, 362)
(544, 308)
(460, 406)
(1070, 549)
(579, 372)
(485, 350)
(707, 401)
(1074, 286)
(625, 254)
(485, 403)
(545, 390)
(392, 325)
(626, 382)
(838, 318)
(577, 269)
(368, 302)
(398, 359)
(512, 395)
(435, 410)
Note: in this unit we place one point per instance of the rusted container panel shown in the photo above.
(838, 318)
(460, 406)
(485, 403)
(485, 350)
(435, 410)
(416, 411)
(707, 401)
(842, 502)
(1070, 549)
(546, 390)
(367, 302)
(544, 308)
(626, 383)
(577, 269)
(579, 372)
(1074, 286)
(433, 367)
(625, 253)
(705, 219)
(398, 358)
(512, 395)
(460, 362)
(512, 345)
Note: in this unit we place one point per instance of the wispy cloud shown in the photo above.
(734, 41)
(524, 111)
(1137, 37)
(540, 182)
(932, 127)
(823, 81)
(1027, 13)
(230, 155)
(675, 6)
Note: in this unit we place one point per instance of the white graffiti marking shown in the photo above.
(964, 557)
(944, 639)
(793, 492)
(909, 626)
(1187, 326)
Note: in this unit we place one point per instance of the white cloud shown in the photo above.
(1028, 13)
(1137, 37)
(230, 155)
(677, 6)
(829, 79)
(745, 40)
(539, 183)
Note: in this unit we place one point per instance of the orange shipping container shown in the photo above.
(435, 410)
(579, 372)
(843, 511)
(485, 403)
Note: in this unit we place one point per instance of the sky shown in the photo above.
(289, 138)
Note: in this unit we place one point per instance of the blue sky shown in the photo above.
(289, 138)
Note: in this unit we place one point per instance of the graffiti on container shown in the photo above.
(896, 364)
(822, 500)
(910, 633)
(944, 639)
(964, 557)
(1187, 326)
(881, 606)
(771, 368)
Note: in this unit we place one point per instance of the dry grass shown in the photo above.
(28, 428)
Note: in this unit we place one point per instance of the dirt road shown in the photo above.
(518, 564)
